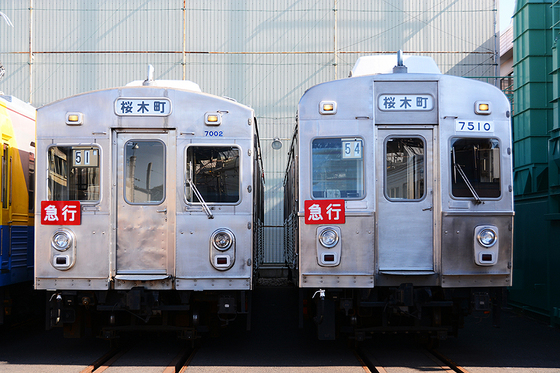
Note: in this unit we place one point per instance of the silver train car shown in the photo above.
(149, 209)
(399, 200)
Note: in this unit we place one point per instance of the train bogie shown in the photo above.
(150, 195)
(404, 208)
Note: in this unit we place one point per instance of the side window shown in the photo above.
(214, 173)
(404, 168)
(337, 168)
(144, 171)
(31, 182)
(5, 173)
(475, 163)
(73, 173)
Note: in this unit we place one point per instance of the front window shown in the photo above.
(214, 172)
(404, 168)
(475, 163)
(144, 171)
(338, 168)
(73, 173)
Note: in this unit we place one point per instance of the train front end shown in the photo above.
(405, 200)
(146, 209)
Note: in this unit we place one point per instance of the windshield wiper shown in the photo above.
(458, 169)
(202, 201)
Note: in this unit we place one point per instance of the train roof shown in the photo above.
(178, 84)
(18, 105)
(388, 75)
(384, 64)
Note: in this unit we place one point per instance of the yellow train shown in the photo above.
(17, 180)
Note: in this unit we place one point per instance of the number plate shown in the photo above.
(85, 157)
(474, 126)
(352, 149)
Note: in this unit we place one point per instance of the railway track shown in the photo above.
(119, 357)
(421, 360)
(371, 361)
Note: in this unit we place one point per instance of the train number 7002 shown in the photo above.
(214, 133)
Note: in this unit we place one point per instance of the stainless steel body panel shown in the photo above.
(356, 261)
(194, 268)
(458, 268)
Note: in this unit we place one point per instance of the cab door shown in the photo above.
(145, 208)
(405, 200)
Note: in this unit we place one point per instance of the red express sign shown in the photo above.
(326, 211)
(60, 213)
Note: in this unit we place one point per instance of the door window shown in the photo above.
(144, 172)
(404, 168)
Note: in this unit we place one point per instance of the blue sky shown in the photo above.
(506, 11)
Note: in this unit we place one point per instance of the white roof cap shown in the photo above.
(179, 84)
(383, 64)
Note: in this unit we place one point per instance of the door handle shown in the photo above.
(164, 211)
(428, 208)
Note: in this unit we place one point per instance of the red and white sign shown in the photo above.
(325, 211)
(60, 213)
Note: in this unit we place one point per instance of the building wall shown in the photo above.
(262, 53)
(536, 150)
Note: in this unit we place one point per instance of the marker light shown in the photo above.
(222, 262)
(328, 258)
(327, 107)
(482, 107)
(74, 119)
(213, 119)
(486, 257)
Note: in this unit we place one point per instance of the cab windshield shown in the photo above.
(214, 171)
(73, 173)
(475, 169)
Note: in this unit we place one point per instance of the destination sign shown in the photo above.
(144, 106)
(405, 102)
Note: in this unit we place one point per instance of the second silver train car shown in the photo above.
(399, 199)
(149, 204)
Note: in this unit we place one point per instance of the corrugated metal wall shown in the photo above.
(262, 53)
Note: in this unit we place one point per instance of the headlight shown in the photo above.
(487, 237)
(62, 240)
(222, 239)
(328, 238)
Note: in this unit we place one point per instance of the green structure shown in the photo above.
(536, 133)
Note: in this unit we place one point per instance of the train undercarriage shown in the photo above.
(430, 312)
(109, 314)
